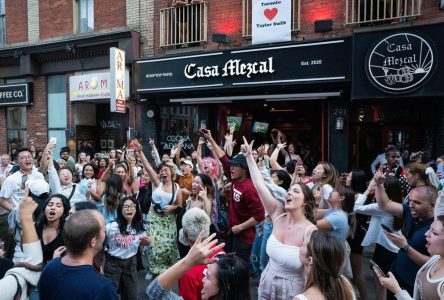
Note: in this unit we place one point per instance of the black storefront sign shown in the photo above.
(15, 94)
(289, 63)
(398, 63)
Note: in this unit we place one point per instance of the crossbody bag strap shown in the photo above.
(72, 192)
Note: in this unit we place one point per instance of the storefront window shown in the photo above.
(179, 122)
(16, 126)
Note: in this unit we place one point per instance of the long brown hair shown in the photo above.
(325, 273)
(393, 190)
(310, 202)
(420, 170)
(347, 205)
(331, 173)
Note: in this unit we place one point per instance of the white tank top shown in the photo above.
(284, 258)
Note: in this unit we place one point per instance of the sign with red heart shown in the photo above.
(271, 13)
(271, 21)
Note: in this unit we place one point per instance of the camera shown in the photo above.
(158, 207)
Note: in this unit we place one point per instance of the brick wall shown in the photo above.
(148, 27)
(109, 14)
(133, 13)
(226, 17)
(16, 21)
(37, 114)
(56, 18)
(33, 21)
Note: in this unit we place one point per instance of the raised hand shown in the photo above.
(203, 193)
(205, 132)
(379, 177)
(201, 141)
(281, 146)
(202, 249)
(173, 151)
(247, 148)
(27, 205)
(232, 128)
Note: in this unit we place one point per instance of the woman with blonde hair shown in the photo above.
(324, 176)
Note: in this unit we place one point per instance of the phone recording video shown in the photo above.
(377, 269)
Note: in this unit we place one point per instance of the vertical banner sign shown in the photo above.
(117, 70)
(271, 21)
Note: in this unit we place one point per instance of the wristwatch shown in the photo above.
(405, 248)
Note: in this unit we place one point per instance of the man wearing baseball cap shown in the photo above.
(245, 209)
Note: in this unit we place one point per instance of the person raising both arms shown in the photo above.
(161, 217)
(245, 209)
(283, 278)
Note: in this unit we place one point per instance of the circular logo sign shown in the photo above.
(400, 63)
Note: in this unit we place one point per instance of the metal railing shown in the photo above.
(183, 25)
(381, 11)
(246, 17)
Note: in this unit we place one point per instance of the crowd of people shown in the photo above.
(203, 224)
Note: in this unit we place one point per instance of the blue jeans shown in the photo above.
(255, 256)
(267, 229)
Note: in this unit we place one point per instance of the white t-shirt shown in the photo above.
(120, 245)
(5, 172)
(12, 187)
(326, 191)
(57, 188)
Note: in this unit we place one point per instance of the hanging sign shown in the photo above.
(271, 21)
(117, 68)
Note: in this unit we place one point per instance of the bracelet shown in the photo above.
(405, 248)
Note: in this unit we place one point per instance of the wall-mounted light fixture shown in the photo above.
(323, 25)
(17, 53)
(220, 38)
(70, 48)
(339, 123)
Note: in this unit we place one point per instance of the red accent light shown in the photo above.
(319, 12)
(228, 27)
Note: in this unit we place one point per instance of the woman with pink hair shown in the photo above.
(213, 168)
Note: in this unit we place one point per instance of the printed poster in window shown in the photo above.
(271, 21)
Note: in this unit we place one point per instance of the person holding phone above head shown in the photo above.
(429, 281)
(385, 250)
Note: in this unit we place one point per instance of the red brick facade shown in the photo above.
(55, 18)
(226, 17)
(109, 14)
(16, 21)
(37, 114)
